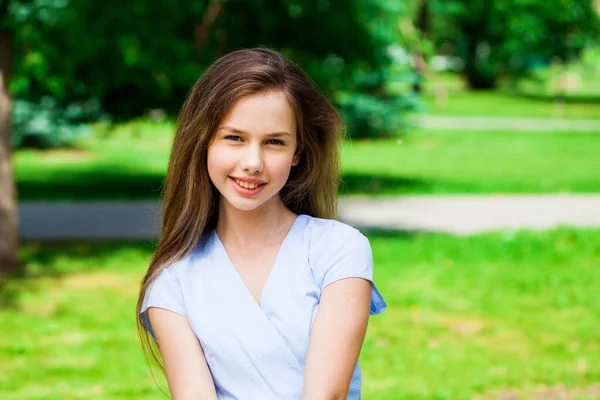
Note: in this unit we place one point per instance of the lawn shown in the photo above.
(534, 97)
(130, 164)
(511, 104)
(448, 162)
(486, 315)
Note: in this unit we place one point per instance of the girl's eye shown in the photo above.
(275, 141)
(233, 137)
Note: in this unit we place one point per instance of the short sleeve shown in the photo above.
(164, 292)
(345, 254)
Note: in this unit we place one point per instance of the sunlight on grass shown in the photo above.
(444, 162)
(484, 315)
(126, 166)
(74, 320)
(533, 97)
(507, 104)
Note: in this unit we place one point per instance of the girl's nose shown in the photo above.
(252, 160)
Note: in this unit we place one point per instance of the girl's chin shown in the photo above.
(243, 203)
(245, 206)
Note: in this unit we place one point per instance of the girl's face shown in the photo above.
(250, 157)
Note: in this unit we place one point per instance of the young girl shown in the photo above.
(254, 291)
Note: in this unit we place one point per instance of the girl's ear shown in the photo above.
(297, 156)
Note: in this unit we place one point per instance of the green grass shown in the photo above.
(534, 97)
(443, 162)
(485, 315)
(510, 104)
(126, 163)
(131, 162)
(480, 316)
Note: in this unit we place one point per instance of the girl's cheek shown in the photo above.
(281, 163)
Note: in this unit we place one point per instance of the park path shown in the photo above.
(461, 215)
(510, 123)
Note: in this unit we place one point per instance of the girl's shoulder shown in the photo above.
(329, 231)
(337, 251)
(326, 240)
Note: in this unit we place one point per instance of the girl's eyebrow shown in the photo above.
(235, 130)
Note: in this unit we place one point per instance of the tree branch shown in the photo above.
(208, 19)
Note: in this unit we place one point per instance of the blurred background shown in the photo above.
(472, 163)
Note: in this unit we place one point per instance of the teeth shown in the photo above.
(246, 185)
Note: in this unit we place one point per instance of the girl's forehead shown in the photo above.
(262, 113)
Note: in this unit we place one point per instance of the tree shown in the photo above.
(507, 38)
(137, 55)
(8, 204)
(422, 24)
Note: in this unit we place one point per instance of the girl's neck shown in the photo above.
(249, 230)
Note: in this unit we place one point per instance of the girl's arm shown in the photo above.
(186, 369)
(336, 339)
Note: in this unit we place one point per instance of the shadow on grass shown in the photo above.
(115, 184)
(370, 185)
(58, 259)
(568, 99)
(355, 183)
(402, 234)
(95, 184)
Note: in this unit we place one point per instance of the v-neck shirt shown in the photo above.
(259, 351)
(230, 263)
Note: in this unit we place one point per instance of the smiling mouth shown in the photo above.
(246, 185)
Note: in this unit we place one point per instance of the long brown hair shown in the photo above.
(190, 200)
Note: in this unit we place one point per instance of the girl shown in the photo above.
(254, 291)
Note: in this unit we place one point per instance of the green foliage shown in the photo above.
(369, 116)
(46, 124)
(499, 38)
(135, 56)
(372, 112)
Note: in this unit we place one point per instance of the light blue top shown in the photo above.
(259, 352)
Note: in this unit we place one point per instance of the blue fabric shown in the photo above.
(259, 352)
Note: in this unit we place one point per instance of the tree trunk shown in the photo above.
(476, 79)
(8, 202)
(213, 9)
(478, 72)
(481, 69)
(419, 63)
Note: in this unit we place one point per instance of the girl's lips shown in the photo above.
(249, 180)
(245, 191)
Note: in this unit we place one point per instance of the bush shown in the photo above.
(141, 55)
(371, 110)
(47, 124)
